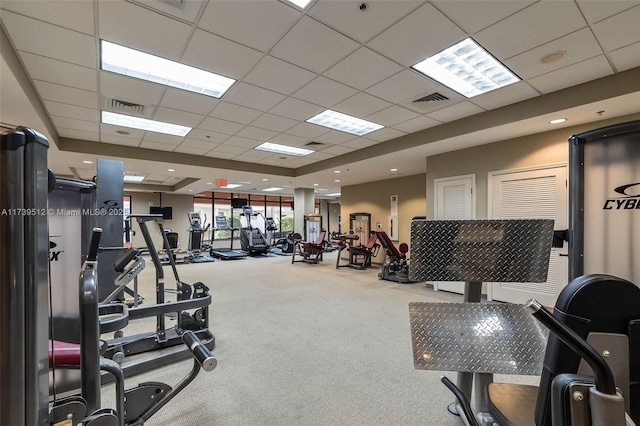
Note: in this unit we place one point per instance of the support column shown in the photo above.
(303, 203)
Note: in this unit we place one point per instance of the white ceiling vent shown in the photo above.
(434, 97)
(317, 146)
(126, 107)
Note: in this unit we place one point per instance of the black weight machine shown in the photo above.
(252, 239)
(222, 252)
(395, 265)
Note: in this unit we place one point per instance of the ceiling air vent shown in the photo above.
(313, 143)
(123, 106)
(434, 97)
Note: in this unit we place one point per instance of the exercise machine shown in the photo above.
(359, 255)
(312, 226)
(195, 252)
(222, 252)
(360, 225)
(395, 265)
(310, 251)
(252, 239)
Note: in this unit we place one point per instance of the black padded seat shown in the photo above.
(512, 404)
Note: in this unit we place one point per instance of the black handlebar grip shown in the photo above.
(462, 399)
(199, 351)
(94, 245)
(605, 382)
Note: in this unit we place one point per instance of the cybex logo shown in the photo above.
(53, 254)
(629, 201)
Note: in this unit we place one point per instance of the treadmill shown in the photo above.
(225, 253)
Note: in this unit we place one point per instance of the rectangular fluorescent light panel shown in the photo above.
(300, 3)
(344, 123)
(468, 69)
(335, 194)
(133, 63)
(133, 178)
(283, 149)
(144, 124)
(272, 189)
(232, 185)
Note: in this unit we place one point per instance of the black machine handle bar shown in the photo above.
(94, 246)
(462, 399)
(199, 351)
(605, 382)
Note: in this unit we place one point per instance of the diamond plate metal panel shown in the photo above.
(480, 250)
(476, 337)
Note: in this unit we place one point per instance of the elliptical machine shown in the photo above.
(196, 232)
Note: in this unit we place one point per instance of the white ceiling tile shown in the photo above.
(597, 10)
(78, 134)
(308, 130)
(270, 161)
(175, 116)
(188, 101)
(136, 27)
(626, 58)
(242, 142)
(235, 113)
(219, 55)
(296, 109)
(417, 124)
(319, 156)
(221, 126)
(74, 124)
(130, 89)
(473, 16)
(384, 134)
(67, 95)
(274, 74)
(254, 155)
(392, 115)
(222, 155)
(609, 31)
(256, 133)
(292, 140)
(574, 74)
(157, 146)
(162, 138)
(361, 105)
(313, 46)
(404, 85)
(335, 137)
(363, 69)
(455, 112)
(338, 150)
(189, 150)
(253, 96)
(72, 111)
(230, 149)
(505, 96)
(109, 130)
(119, 140)
(208, 136)
(240, 21)
(347, 17)
(49, 40)
(360, 143)
(64, 73)
(421, 34)
(553, 19)
(195, 143)
(274, 122)
(325, 92)
(578, 46)
(75, 15)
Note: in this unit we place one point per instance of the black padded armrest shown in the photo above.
(124, 260)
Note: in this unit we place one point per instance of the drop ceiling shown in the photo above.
(292, 64)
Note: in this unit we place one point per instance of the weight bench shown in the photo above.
(311, 252)
(395, 266)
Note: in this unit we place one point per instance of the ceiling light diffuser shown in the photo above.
(87, 162)
(467, 68)
(272, 189)
(133, 178)
(558, 121)
(283, 149)
(133, 63)
(144, 124)
(335, 194)
(232, 185)
(299, 3)
(344, 123)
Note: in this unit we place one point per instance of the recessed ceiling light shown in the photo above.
(315, 184)
(552, 57)
(264, 179)
(271, 189)
(87, 162)
(144, 124)
(301, 4)
(133, 63)
(232, 185)
(337, 180)
(283, 149)
(209, 183)
(246, 183)
(336, 171)
(133, 178)
(171, 170)
(335, 194)
(190, 190)
(344, 123)
(467, 68)
(394, 170)
(558, 121)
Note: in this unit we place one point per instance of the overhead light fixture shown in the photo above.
(136, 64)
(171, 170)
(300, 4)
(190, 190)
(558, 121)
(344, 123)
(315, 184)
(232, 185)
(336, 171)
(467, 68)
(245, 183)
(133, 178)
(337, 180)
(264, 179)
(283, 149)
(144, 124)
(87, 162)
(394, 170)
(209, 183)
(272, 189)
(335, 194)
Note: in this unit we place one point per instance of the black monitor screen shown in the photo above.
(238, 203)
(166, 212)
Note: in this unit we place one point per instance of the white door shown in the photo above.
(532, 194)
(455, 199)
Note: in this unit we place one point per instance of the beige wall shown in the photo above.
(528, 151)
(182, 204)
(375, 198)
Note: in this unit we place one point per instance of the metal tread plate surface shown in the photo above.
(481, 250)
(476, 337)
